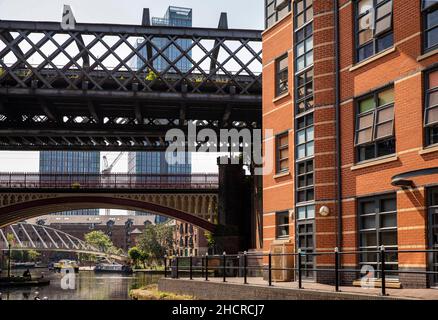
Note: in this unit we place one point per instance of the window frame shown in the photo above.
(306, 37)
(308, 261)
(278, 75)
(306, 127)
(276, 10)
(278, 226)
(376, 37)
(377, 230)
(427, 92)
(375, 123)
(425, 29)
(431, 231)
(307, 188)
(278, 149)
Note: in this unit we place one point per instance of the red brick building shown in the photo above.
(350, 89)
(188, 240)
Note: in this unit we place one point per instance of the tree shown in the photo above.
(143, 258)
(135, 254)
(210, 240)
(156, 240)
(10, 238)
(99, 240)
(33, 255)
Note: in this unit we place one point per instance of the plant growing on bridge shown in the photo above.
(151, 76)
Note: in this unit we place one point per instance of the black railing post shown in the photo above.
(206, 267)
(165, 266)
(191, 267)
(337, 269)
(224, 267)
(202, 266)
(382, 269)
(177, 267)
(300, 275)
(245, 266)
(270, 268)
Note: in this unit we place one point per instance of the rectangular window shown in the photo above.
(304, 136)
(433, 231)
(306, 242)
(431, 108)
(377, 227)
(374, 29)
(282, 75)
(304, 176)
(303, 34)
(375, 125)
(304, 91)
(275, 10)
(282, 152)
(282, 225)
(430, 24)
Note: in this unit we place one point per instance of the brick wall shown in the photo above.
(402, 66)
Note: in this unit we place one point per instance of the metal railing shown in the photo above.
(384, 272)
(108, 181)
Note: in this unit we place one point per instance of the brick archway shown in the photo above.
(29, 209)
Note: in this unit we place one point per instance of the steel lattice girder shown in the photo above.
(54, 81)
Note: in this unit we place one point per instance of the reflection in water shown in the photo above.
(88, 286)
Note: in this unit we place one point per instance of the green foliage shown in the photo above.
(1, 71)
(155, 241)
(99, 240)
(33, 255)
(135, 254)
(151, 76)
(144, 257)
(210, 239)
(11, 239)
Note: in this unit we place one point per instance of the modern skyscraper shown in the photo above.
(155, 162)
(71, 162)
(174, 17)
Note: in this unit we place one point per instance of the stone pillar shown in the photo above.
(234, 208)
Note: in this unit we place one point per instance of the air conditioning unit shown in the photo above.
(281, 261)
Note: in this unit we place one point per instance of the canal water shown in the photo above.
(87, 286)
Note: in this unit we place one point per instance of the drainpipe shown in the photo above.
(338, 126)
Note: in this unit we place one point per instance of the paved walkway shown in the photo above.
(424, 294)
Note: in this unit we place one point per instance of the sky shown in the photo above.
(242, 14)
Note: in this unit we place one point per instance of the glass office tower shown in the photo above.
(155, 162)
(174, 17)
(71, 162)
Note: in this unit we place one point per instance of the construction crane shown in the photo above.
(107, 170)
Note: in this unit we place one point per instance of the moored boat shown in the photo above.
(23, 282)
(22, 265)
(112, 268)
(66, 265)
